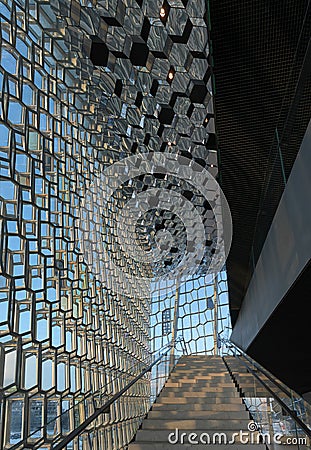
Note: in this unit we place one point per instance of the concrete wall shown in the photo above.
(286, 251)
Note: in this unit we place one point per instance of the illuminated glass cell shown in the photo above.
(8, 61)
(9, 372)
(30, 371)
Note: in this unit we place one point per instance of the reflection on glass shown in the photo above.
(65, 418)
(15, 421)
(36, 410)
(52, 412)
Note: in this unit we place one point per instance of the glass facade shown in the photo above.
(195, 315)
(85, 84)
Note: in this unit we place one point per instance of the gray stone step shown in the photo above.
(201, 382)
(163, 435)
(201, 379)
(208, 414)
(196, 371)
(203, 388)
(204, 406)
(198, 394)
(208, 361)
(203, 367)
(205, 371)
(201, 357)
(166, 446)
(194, 424)
(187, 362)
(196, 388)
(209, 376)
(164, 398)
(198, 383)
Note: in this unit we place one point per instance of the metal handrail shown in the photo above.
(259, 367)
(183, 344)
(292, 413)
(105, 407)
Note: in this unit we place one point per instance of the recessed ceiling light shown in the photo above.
(171, 74)
(162, 12)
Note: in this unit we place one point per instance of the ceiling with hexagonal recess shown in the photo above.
(151, 60)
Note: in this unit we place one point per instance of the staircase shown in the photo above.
(249, 385)
(198, 402)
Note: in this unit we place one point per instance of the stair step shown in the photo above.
(199, 406)
(200, 362)
(193, 424)
(201, 379)
(199, 382)
(198, 386)
(199, 394)
(163, 435)
(164, 398)
(184, 414)
(208, 377)
(211, 368)
(195, 388)
(219, 370)
(206, 370)
(166, 446)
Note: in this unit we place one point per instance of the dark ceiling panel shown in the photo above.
(262, 83)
